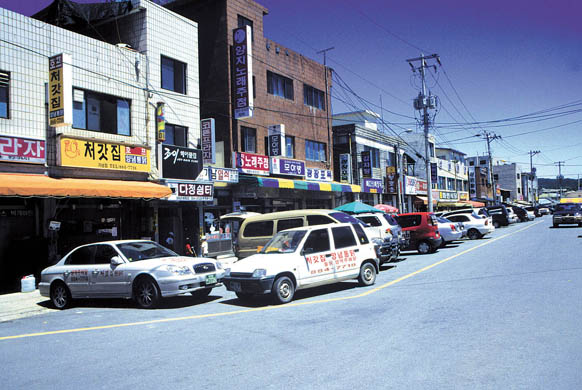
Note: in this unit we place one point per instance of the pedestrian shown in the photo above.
(170, 241)
(189, 249)
(203, 246)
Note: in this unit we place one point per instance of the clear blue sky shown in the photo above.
(501, 60)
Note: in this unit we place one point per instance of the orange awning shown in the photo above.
(12, 184)
(473, 203)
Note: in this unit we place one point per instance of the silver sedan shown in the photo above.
(138, 269)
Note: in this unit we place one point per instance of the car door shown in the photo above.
(319, 265)
(76, 270)
(344, 254)
(105, 279)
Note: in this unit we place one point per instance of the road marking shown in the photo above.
(292, 304)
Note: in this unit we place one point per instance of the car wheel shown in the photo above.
(199, 294)
(580, 225)
(367, 275)
(473, 234)
(146, 293)
(60, 295)
(283, 290)
(556, 225)
(423, 247)
(496, 225)
(244, 296)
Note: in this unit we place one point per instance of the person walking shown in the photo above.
(169, 242)
(189, 250)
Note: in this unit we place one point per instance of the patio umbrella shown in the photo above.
(357, 207)
(386, 208)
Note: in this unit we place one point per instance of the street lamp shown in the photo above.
(398, 167)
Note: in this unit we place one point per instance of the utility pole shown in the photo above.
(423, 102)
(532, 173)
(560, 163)
(324, 51)
(490, 137)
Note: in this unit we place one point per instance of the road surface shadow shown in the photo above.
(572, 226)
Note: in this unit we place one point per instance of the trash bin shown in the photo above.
(28, 283)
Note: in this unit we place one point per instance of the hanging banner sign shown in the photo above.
(285, 166)
(243, 72)
(208, 141)
(434, 173)
(345, 166)
(277, 140)
(254, 164)
(161, 122)
(190, 191)
(178, 162)
(391, 182)
(373, 186)
(410, 185)
(316, 174)
(60, 92)
(366, 164)
(24, 150)
(102, 155)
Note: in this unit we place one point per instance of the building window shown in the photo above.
(249, 139)
(4, 94)
(518, 176)
(313, 97)
(450, 184)
(441, 185)
(495, 177)
(279, 85)
(173, 75)
(472, 163)
(374, 156)
(482, 162)
(315, 151)
(290, 147)
(176, 135)
(242, 21)
(100, 112)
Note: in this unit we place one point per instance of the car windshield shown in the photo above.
(144, 250)
(568, 207)
(285, 241)
(390, 219)
(443, 220)
(343, 217)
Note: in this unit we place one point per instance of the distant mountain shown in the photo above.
(570, 184)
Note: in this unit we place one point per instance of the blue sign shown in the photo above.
(373, 186)
(285, 166)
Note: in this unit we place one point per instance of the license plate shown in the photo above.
(235, 286)
(210, 279)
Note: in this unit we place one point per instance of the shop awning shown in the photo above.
(273, 182)
(473, 203)
(30, 185)
(452, 204)
(423, 200)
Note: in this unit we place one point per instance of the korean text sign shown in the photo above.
(285, 166)
(179, 162)
(254, 164)
(345, 167)
(60, 92)
(373, 186)
(191, 191)
(366, 164)
(208, 141)
(243, 72)
(15, 149)
(103, 155)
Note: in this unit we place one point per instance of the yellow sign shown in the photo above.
(103, 155)
(463, 196)
(60, 90)
(390, 169)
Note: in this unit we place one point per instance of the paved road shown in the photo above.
(498, 313)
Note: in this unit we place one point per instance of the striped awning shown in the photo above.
(274, 182)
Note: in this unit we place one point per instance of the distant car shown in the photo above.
(544, 210)
(138, 269)
(475, 225)
(450, 231)
(533, 210)
(389, 230)
(423, 230)
(567, 213)
(520, 212)
(500, 215)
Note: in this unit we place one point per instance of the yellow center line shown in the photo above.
(293, 304)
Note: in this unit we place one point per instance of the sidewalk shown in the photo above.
(21, 305)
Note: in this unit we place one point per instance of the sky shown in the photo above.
(512, 68)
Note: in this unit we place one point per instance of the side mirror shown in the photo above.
(116, 260)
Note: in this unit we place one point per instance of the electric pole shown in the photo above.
(532, 173)
(327, 108)
(560, 163)
(424, 103)
(490, 137)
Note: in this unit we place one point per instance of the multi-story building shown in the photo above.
(480, 180)
(85, 170)
(509, 178)
(281, 143)
(453, 178)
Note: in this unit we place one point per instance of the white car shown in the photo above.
(305, 257)
(449, 230)
(139, 269)
(475, 225)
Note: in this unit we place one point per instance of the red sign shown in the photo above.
(24, 150)
(421, 187)
(255, 164)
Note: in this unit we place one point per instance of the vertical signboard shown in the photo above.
(243, 73)
(60, 93)
(345, 167)
(434, 173)
(277, 140)
(391, 180)
(208, 141)
(366, 164)
(161, 122)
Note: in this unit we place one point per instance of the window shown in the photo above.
(289, 223)
(450, 184)
(81, 256)
(290, 146)
(495, 177)
(259, 229)
(99, 112)
(318, 241)
(372, 221)
(409, 220)
(318, 220)
(176, 135)
(279, 85)
(431, 148)
(518, 176)
(249, 139)
(104, 253)
(471, 163)
(442, 183)
(4, 94)
(374, 156)
(313, 97)
(343, 237)
(482, 162)
(361, 234)
(242, 21)
(315, 151)
(173, 75)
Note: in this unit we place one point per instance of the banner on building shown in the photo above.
(391, 180)
(277, 140)
(410, 185)
(208, 141)
(472, 183)
(179, 162)
(190, 191)
(25, 150)
(345, 168)
(421, 187)
(243, 72)
(447, 195)
(215, 174)
(161, 121)
(285, 166)
(373, 186)
(60, 93)
(434, 173)
(102, 155)
(254, 164)
(366, 164)
(317, 174)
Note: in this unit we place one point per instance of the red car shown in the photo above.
(424, 233)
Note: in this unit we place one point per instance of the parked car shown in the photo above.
(476, 226)
(304, 257)
(520, 212)
(138, 269)
(567, 213)
(531, 210)
(423, 229)
(450, 231)
(500, 215)
(544, 210)
(389, 230)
